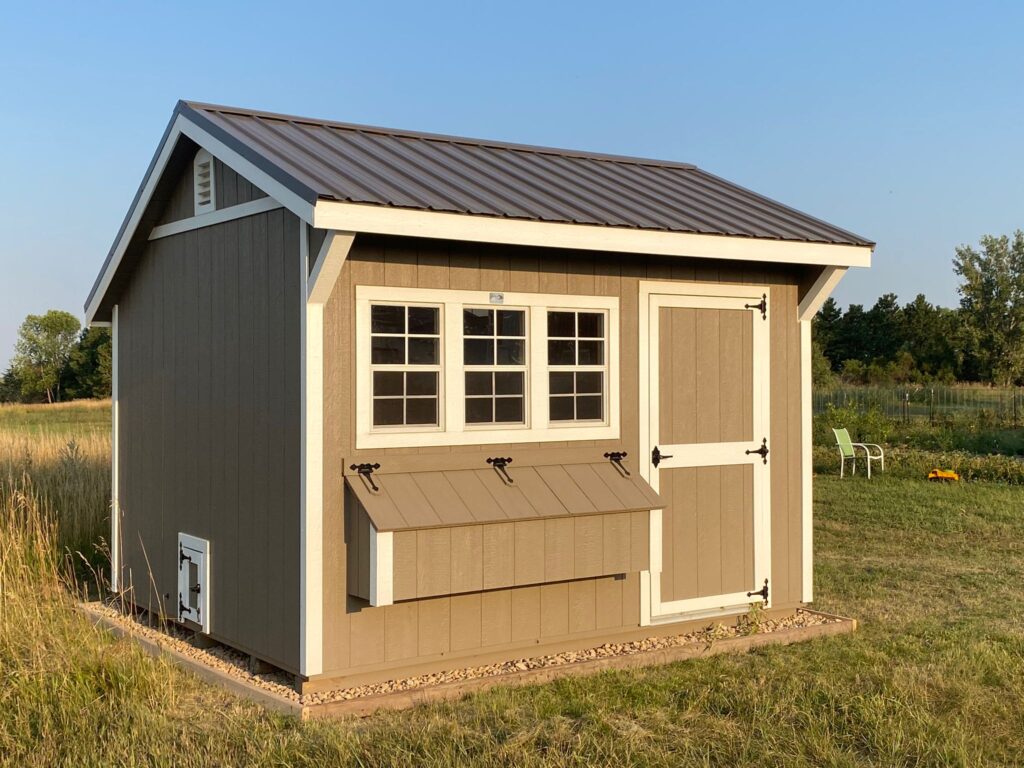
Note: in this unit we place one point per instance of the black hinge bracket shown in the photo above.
(657, 456)
(761, 305)
(366, 470)
(501, 465)
(762, 451)
(763, 592)
(182, 557)
(616, 457)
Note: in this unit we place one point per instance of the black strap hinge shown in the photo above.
(761, 305)
(616, 457)
(366, 470)
(762, 592)
(501, 465)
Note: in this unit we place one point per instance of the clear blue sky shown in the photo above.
(903, 122)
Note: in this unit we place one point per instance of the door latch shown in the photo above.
(762, 592)
(761, 305)
(762, 451)
(657, 456)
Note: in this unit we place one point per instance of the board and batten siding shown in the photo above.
(360, 641)
(209, 363)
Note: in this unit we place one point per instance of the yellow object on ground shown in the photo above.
(943, 474)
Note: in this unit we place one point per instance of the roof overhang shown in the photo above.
(190, 124)
(375, 219)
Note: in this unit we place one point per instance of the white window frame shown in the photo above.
(454, 430)
(496, 367)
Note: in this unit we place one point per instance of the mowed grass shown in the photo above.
(935, 675)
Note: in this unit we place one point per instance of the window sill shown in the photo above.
(487, 436)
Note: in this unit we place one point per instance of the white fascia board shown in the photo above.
(356, 217)
(819, 292)
(183, 126)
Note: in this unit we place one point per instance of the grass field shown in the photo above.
(935, 676)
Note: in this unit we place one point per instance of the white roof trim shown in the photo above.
(183, 126)
(356, 217)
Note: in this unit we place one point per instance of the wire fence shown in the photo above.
(932, 404)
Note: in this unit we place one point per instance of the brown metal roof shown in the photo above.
(319, 159)
(413, 500)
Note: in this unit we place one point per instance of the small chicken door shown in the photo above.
(194, 581)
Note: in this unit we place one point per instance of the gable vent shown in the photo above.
(202, 173)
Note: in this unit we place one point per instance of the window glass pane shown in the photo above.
(507, 383)
(479, 410)
(479, 351)
(561, 408)
(422, 351)
(387, 412)
(511, 352)
(561, 352)
(387, 383)
(589, 407)
(478, 322)
(508, 410)
(591, 353)
(423, 320)
(421, 410)
(387, 319)
(591, 325)
(421, 383)
(561, 324)
(588, 382)
(387, 350)
(511, 322)
(478, 383)
(561, 383)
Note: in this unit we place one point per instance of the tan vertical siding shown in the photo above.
(210, 425)
(508, 617)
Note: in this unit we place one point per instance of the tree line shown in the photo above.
(56, 359)
(982, 340)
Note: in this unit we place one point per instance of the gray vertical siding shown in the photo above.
(209, 370)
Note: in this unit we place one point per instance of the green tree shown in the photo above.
(824, 328)
(88, 371)
(10, 387)
(851, 338)
(992, 305)
(43, 349)
(884, 325)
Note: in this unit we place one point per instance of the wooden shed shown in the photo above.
(390, 402)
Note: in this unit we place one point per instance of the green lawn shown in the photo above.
(935, 675)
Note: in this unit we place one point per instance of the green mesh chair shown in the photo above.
(847, 452)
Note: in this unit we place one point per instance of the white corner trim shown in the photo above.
(327, 267)
(115, 457)
(382, 549)
(218, 216)
(819, 292)
(806, 465)
(183, 126)
(356, 217)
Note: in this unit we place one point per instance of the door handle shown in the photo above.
(657, 456)
(762, 451)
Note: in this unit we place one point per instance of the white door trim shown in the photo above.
(703, 295)
(115, 454)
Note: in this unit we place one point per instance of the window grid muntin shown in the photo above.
(405, 368)
(496, 367)
(576, 367)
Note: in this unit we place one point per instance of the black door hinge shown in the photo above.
(616, 457)
(501, 465)
(366, 470)
(762, 451)
(763, 592)
(762, 305)
(657, 456)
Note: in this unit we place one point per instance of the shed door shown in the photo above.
(707, 416)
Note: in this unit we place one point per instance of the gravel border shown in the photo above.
(235, 664)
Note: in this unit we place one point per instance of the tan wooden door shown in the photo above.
(707, 422)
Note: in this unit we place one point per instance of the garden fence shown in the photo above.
(935, 404)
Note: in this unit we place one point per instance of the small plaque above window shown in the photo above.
(497, 298)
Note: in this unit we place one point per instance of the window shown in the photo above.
(576, 365)
(494, 354)
(203, 183)
(405, 359)
(449, 367)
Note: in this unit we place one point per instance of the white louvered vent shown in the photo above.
(202, 173)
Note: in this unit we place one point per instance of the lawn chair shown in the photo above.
(847, 453)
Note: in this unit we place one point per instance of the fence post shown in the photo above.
(1015, 407)
(931, 406)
